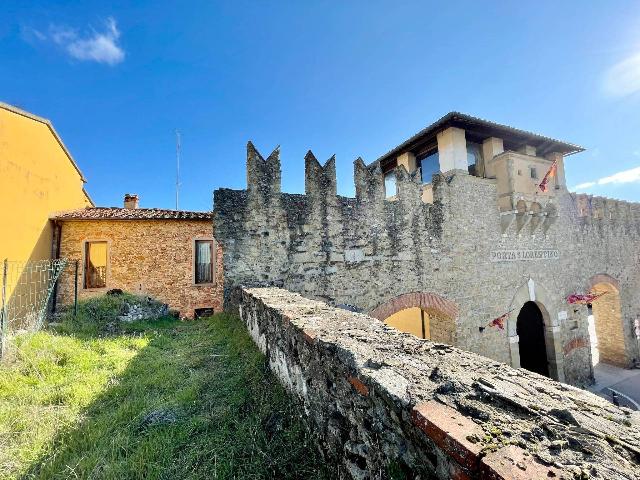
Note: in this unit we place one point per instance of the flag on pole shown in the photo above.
(583, 299)
(548, 176)
(498, 322)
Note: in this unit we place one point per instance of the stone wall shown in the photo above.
(382, 401)
(148, 257)
(369, 252)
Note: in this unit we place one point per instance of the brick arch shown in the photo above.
(423, 300)
(603, 278)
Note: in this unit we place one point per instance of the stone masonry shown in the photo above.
(146, 257)
(383, 400)
(370, 252)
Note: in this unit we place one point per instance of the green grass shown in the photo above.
(75, 402)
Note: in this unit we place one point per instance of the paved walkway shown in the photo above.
(624, 381)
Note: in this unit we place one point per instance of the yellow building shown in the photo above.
(38, 176)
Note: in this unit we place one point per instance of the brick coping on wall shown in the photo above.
(378, 396)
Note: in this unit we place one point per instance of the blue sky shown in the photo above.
(346, 78)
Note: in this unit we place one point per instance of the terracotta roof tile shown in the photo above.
(468, 120)
(115, 213)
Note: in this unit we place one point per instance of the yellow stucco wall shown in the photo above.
(409, 320)
(437, 326)
(37, 178)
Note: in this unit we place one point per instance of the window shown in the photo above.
(203, 312)
(534, 172)
(204, 261)
(429, 166)
(474, 156)
(390, 183)
(95, 264)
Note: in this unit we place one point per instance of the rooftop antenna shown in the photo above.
(177, 168)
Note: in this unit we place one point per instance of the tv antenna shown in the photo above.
(177, 168)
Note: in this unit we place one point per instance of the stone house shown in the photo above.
(447, 232)
(170, 255)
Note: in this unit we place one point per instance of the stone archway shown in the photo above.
(532, 343)
(605, 322)
(531, 291)
(425, 315)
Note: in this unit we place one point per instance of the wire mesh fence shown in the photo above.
(27, 291)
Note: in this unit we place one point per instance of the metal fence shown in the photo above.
(27, 291)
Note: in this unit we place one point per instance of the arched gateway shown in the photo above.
(425, 315)
(532, 344)
(605, 322)
(534, 332)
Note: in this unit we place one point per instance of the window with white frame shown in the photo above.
(390, 187)
(204, 261)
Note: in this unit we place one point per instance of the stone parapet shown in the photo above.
(381, 399)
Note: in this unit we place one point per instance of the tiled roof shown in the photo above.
(114, 213)
(468, 120)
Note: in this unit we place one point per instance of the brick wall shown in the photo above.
(378, 397)
(442, 328)
(150, 257)
(608, 323)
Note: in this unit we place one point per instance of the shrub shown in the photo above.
(101, 314)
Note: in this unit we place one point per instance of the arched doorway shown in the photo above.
(605, 322)
(532, 344)
(535, 292)
(425, 315)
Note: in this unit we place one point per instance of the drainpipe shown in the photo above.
(57, 239)
(636, 330)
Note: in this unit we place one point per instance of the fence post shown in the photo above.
(3, 312)
(75, 291)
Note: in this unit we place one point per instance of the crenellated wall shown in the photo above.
(369, 251)
(304, 241)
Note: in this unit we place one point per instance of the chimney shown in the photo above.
(130, 201)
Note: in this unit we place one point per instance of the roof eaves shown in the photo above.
(84, 190)
(471, 119)
(116, 213)
(519, 131)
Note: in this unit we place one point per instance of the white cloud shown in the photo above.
(626, 176)
(584, 186)
(31, 35)
(101, 47)
(623, 79)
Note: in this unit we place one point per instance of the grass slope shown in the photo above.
(166, 400)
